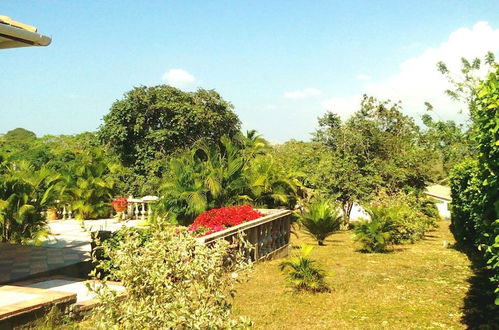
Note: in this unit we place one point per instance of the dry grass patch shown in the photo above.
(422, 285)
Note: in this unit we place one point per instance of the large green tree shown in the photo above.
(377, 148)
(449, 142)
(149, 123)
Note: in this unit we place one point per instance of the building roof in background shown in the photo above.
(15, 34)
(439, 191)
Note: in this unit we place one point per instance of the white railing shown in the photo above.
(137, 209)
(269, 235)
(140, 208)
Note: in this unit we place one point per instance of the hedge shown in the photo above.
(475, 183)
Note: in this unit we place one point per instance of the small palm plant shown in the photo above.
(303, 273)
(320, 220)
(375, 235)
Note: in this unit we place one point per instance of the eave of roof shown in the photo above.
(15, 34)
(439, 191)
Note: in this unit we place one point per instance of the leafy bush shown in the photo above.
(110, 242)
(320, 220)
(219, 219)
(409, 225)
(173, 282)
(24, 194)
(90, 184)
(303, 273)
(395, 220)
(232, 173)
(475, 184)
(467, 202)
(411, 216)
(374, 235)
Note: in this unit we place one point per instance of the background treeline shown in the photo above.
(188, 148)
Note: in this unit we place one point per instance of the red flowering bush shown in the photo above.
(219, 219)
(119, 204)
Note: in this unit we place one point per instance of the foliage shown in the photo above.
(209, 176)
(449, 142)
(475, 185)
(374, 235)
(110, 243)
(465, 83)
(303, 273)
(172, 282)
(149, 123)
(377, 148)
(467, 202)
(24, 194)
(411, 216)
(219, 219)
(19, 135)
(320, 219)
(398, 219)
(90, 184)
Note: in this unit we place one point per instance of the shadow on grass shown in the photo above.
(479, 311)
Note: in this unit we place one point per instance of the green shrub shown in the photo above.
(475, 184)
(396, 219)
(320, 220)
(24, 194)
(110, 242)
(412, 216)
(302, 272)
(173, 282)
(409, 225)
(375, 235)
(428, 207)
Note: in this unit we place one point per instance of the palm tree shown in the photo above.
(270, 186)
(375, 235)
(211, 176)
(183, 192)
(89, 185)
(320, 220)
(253, 144)
(24, 194)
(302, 272)
(205, 177)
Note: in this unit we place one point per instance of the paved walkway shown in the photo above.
(67, 246)
(75, 234)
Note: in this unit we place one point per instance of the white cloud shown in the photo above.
(363, 77)
(344, 106)
(303, 93)
(178, 78)
(418, 79)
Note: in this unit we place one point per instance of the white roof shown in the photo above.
(15, 34)
(439, 191)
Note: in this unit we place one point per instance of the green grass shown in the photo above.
(416, 286)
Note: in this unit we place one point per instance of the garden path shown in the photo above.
(75, 234)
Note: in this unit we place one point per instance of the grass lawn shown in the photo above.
(416, 286)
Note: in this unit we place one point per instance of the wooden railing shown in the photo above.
(269, 235)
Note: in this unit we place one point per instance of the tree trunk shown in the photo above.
(346, 207)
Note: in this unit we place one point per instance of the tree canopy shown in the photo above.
(151, 122)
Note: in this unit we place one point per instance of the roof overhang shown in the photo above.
(15, 34)
(445, 198)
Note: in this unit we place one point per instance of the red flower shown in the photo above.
(119, 204)
(219, 219)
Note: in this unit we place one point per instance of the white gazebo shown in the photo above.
(15, 34)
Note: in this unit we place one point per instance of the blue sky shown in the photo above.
(281, 63)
